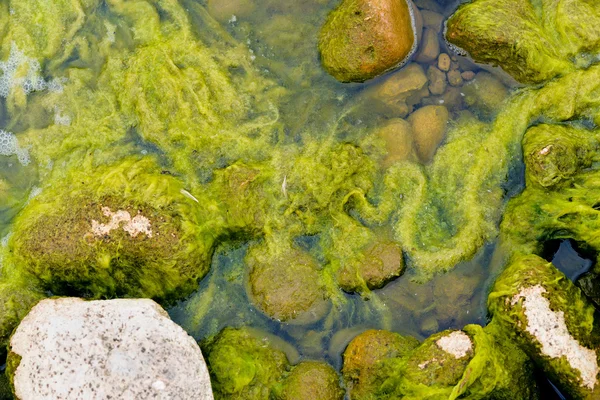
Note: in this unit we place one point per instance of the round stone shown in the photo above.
(121, 349)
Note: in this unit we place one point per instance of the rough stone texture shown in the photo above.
(429, 49)
(550, 330)
(457, 343)
(362, 39)
(398, 137)
(68, 348)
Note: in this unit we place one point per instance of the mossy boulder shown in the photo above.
(532, 40)
(286, 284)
(362, 39)
(123, 230)
(364, 368)
(539, 308)
(242, 364)
(310, 380)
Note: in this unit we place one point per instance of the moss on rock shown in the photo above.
(242, 365)
(535, 305)
(310, 380)
(119, 230)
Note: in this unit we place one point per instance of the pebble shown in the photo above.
(444, 62)
(430, 47)
(468, 75)
(437, 80)
(433, 20)
(429, 125)
(455, 78)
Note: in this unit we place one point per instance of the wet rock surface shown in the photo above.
(364, 38)
(70, 348)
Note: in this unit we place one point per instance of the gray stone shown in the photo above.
(69, 348)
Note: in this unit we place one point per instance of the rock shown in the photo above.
(430, 5)
(401, 90)
(363, 367)
(444, 62)
(468, 75)
(485, 93)
(429, 125)
(552, 321)
(128, 231)
(398, 137)
(225, 10)
(310, 380)
(455, 78)
(437, 80)
(126, 348)
(285, 284)
(362, 39)
(243, 364)
(429, 48)
(433, 20)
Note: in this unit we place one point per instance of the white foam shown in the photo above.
(9, 146)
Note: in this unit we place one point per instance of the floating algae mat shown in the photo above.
(377, 240)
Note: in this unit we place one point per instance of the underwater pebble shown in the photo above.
(444, 62)
(120, 349)
(429, 126)
(468, 75)
(455, 78)
(429, 47)
(437, 80)
(433, 20)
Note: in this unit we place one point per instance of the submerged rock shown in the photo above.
(552, 321)
(362, 39)
(400, 91)
(310, 380)
(398, 137)
(485, 94)
(285, 283)
(429, 126)
(429, 48)
(70, 348)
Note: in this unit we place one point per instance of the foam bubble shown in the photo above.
(10, 146)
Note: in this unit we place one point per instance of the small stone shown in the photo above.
(120, 349)
(455, 78)
(468, 75)
(485, 93)
(437, 80)
(310, 380)
(429, 326)
(444, 62)
(429, 126)
(430, 47)
(433, 20)
(430, 5)
(362, 39)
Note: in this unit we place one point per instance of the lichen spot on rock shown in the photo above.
(457, 343)
(134, 226)
(550, 330)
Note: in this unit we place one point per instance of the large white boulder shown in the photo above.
(106, 349)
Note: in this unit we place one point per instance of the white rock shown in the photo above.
(106, 349)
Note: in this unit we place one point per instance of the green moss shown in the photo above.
(511, 306)
(12, 363)
(60, 239)
(532, 40)
(242, 365)
(310, 380)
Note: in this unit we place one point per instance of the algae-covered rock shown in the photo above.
(364, 368)
(554, 153)
(429, 126)
(532, 40)
(285, 283)
(473, 363)
(117, 230)
(361, 39)
(547, 316)
(242, 365)
(120, 348)
(310, 380)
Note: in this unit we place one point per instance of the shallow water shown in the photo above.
(280, 38)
